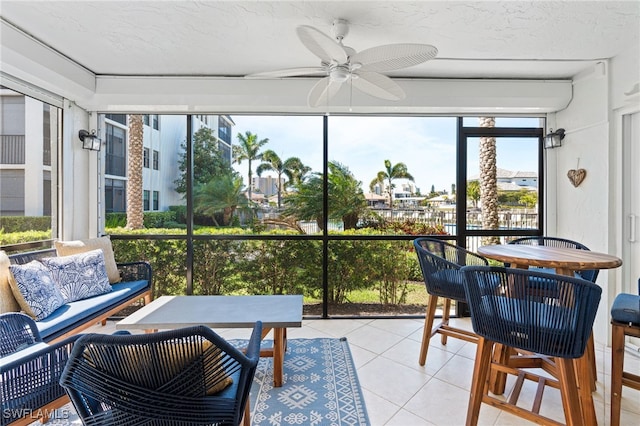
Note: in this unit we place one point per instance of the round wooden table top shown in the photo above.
(562, 259)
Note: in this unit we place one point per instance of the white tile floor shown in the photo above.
(400, 392)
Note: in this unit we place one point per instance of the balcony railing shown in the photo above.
(12, 149)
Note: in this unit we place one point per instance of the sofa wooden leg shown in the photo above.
(246, 418)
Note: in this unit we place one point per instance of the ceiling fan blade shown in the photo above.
(321, 45)
(289, 72)
(378, 85)
(323, 91)
(394, 56)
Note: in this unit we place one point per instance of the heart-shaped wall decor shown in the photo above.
(576, 176)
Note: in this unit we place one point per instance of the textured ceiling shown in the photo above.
(481, 39)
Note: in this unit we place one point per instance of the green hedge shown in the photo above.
(11, 224)
(23, 237)
(231, 266)
(150, 219)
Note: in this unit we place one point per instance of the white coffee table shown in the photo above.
(276, 312)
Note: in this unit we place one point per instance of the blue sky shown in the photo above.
(425, 144)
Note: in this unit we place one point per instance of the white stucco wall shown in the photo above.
(589, 213)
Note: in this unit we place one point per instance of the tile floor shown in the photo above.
(399, 392)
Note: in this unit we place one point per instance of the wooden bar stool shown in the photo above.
(440, 263)
(545, 318)
(625, 321)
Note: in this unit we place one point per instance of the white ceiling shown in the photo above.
(475, 39)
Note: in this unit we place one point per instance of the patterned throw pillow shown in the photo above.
(79, 276)
(67, 248)
(34, 289)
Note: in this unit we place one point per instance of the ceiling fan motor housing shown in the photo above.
(340, 28)
(340, 73)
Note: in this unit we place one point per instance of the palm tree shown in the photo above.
(346, 200)
(291, 168)
(473, 192)
(296, 171)
(489, 181)
(135, 213)
(221, 195)
(248, 149)
(397, 171)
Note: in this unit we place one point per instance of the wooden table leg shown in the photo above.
(498, 380)
(590, 349)
(279, 347)
(591, 353)
(584, 372)
(501, 355)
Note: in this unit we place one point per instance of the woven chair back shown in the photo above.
(184, 376)
(440, 263)
(544, 313)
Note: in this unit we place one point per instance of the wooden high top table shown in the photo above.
(565, 261)
(276, 312)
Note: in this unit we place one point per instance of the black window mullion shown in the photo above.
(325, 214)
(189, 195)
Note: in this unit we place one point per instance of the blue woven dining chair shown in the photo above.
(185, 376)
(589, 275)
(546, 319)
(440, 263)
(29, 371)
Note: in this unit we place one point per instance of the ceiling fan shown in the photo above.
(340, 63)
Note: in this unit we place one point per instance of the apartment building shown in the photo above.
(26, 154)
(164, 136)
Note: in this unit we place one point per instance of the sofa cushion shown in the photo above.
(34, 289)
(8, 302)
(67, 248)
(79, 276)
(78, 311)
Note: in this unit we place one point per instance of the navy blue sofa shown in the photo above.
(74, 317)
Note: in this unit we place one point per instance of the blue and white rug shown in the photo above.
(320, 387)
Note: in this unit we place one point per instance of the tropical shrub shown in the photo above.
(282, 266)
(225, 263)
(166, 256)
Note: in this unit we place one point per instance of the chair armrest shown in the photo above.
(58, 350)
(33, 381)
(253, 348)
(135, 271)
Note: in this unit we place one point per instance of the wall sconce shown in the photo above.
(554, 139)
(90, 141)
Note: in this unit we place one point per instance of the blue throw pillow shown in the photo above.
(34, 289)
(79, 276)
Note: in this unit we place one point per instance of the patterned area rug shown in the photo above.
(320, 387)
